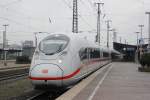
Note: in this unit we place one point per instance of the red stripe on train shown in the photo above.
(56, 78)
(68, 76)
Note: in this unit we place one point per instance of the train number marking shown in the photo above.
(45, 71)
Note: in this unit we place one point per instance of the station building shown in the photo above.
(14, 50)
(129, 51)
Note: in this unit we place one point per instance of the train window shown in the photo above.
(94, 53)
(83, 54)
(105, 54)
(53, 44)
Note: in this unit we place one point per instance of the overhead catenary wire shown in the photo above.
(95, 9)
(6, 6)
(85, 4)
(18, 13)
(92, 5)
(70, 7)
(18, 23)
(11, 3)
(89, 6)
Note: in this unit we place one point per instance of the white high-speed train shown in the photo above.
(61, 60)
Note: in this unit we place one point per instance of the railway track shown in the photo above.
(52, 95)
(47, 95)
(16, 76)
(28, 95)
(39, 95)
(13, 74)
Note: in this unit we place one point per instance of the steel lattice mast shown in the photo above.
(98, 22)
(75, 17)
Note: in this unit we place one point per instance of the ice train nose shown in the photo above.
(48, 73)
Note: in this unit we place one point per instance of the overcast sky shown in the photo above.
(28, 16)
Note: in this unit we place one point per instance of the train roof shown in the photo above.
(84, 36)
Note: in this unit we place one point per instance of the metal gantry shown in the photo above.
(98, 22)
(75, 17)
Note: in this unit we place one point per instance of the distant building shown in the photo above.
(28, 44)
(1, 46)
(28, 51)
(13, 51)
(15, 47)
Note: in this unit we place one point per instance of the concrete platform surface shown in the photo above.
(121, 82)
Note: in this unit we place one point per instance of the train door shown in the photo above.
(84, 58)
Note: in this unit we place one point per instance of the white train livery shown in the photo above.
(61, 60)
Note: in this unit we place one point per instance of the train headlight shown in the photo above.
(61, 56)
(59, 60)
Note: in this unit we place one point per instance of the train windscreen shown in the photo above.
(53, 44)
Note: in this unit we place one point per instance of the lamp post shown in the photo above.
(141, 27)
(137, 39)
(137, 50)
(108, 29)
(4, 44)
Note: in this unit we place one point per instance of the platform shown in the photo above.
(120, 81)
